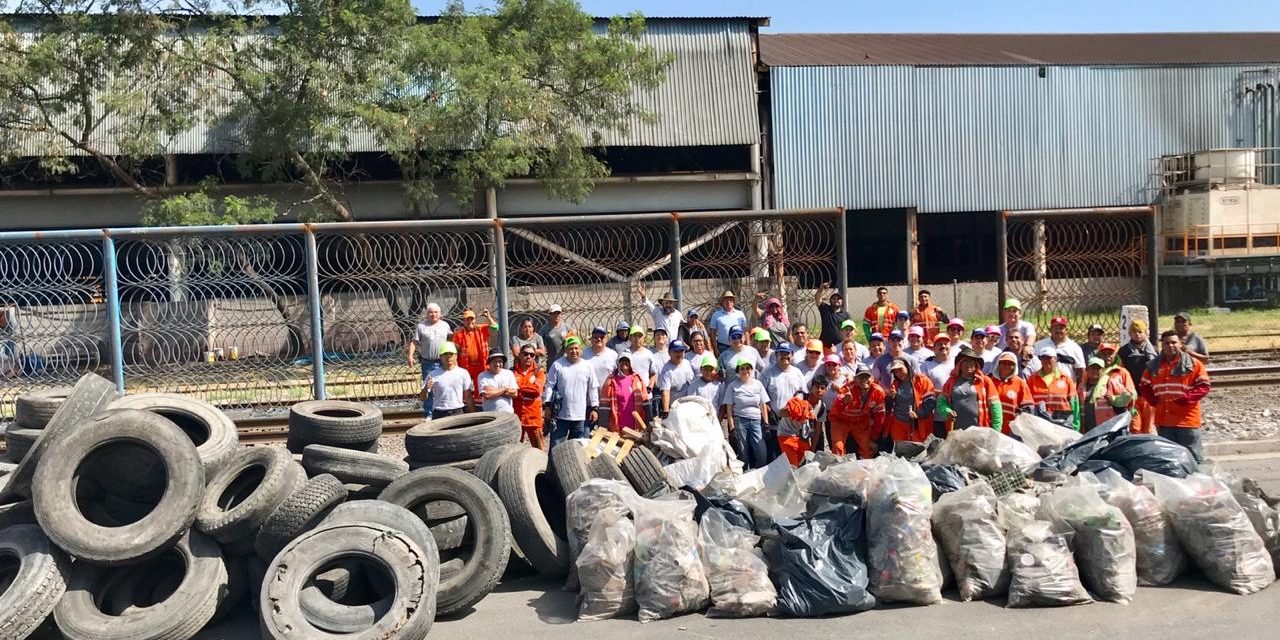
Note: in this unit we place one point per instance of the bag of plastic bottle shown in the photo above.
(1214, 531)
(583, 506)
(1104, 542)
(848, 479)
(1016, 510)
(966, 524)
(815, 562)
(669, 577)
(901, 551)
(1160, 555)
(1265, 519)
(604, 569)
(1044, 437)
(736, 571)
(1042, 571)
(984, 450)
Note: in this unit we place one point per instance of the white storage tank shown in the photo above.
(1226, 164)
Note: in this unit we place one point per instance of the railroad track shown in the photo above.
(1266, 375)
(276, 430)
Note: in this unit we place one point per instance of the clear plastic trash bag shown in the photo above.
(1160, 555)
(736, 571)
(1042, 571)
(605, 569)
(669, 577)
(984, 450)
(582, 508)
(901, 552)
(965, 522)
(1106, 551)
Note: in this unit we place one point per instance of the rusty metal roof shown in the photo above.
(936, 49)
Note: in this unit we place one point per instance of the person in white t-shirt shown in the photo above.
(1070, 356)
(448, 387)
(498, 386)
(665, 314)
(424, 348)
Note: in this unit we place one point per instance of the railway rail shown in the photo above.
(1255, 376)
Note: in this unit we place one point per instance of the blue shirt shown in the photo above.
(724, 321)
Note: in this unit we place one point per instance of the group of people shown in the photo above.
(779, 390)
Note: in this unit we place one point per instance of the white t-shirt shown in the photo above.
(504, 379)
(1027, 330)
(664, 320)
(1067, 348)
(644, 362)
(744, 398)
(729, 357)
(675, 378)
(450, 385)
(429, 337)
(921, 354)
(782, 385)
(602, 363)
(938, 372)
(710, 391)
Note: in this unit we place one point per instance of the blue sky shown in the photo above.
(958, 16)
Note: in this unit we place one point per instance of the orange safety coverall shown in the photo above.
(927, 316)
(858, 414)
(880, 319)
(1014, 395)
(1117, 382)
(1174, 390)
(1055, 390)
(473, 351)
(530, 382)
(900, 431)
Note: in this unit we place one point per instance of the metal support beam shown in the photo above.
(1040, 263)
(913, 257)
(112, 286)
(693, 244)
(498, 267)
(677, 252)
(570, 256)
(317, 320)
(1002, 263)
(842, 254)
(1082, 211)
(1153, 265)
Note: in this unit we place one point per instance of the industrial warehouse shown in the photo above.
(853, 320)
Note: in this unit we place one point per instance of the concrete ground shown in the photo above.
(534, 609)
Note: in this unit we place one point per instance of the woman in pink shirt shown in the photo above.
(627, 393)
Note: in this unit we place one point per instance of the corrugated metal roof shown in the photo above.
(991, 138)
(709, 97)
(847, 49)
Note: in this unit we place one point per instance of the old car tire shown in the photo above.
(246, 491)
(568, 462)
(299, 513)
(34, 588)
(534, 503)
(338, 423)
(462, 437)
(356, 467)
(211, 430)
(33, 409)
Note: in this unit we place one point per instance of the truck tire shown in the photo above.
(18, 441)
(34, 409)
(213, 433)
(536, 509)
(152, 614)
(35, 585)
(93, 444)
(489, 463)
(356, 467)
(333, 422)
(643, 470)
(462, 437)
(299, 513)
(568, 463)
(487, 557)
(246, 491)
(411, 570)
(605, 467)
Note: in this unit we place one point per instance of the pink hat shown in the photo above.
(916, 331)
(993, 329)
(831, 359)
(956, 322)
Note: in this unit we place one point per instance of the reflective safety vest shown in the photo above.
(1117, 382)
(528, 401)
(1055, 390)
(1014, 394)
(880, 319)
(928, 317)
(1170, 383)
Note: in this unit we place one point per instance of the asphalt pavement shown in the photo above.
(531, 608)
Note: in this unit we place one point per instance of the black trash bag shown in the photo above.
(945, 478)
(1098, 466)
(1083, 449)
(815, 563)
(737, 513)
(1149, 453)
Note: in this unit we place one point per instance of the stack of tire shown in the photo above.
(459, 441)
(32, 412)
(334, 423)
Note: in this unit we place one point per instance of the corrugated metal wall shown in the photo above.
(709, 98)
(990, 138)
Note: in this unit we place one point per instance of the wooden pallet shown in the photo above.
(611, 440)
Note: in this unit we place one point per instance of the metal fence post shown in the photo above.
(677, 279)
(500, 282)
(112, 286)
(317, 321)
(1153, 264)
(1002, 263)
(842, 253)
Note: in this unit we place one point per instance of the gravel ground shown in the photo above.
(392, 446)
(1242, 413)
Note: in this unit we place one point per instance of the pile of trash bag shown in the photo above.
(1042, 571)
(1160, 555)
(583, 507)
(1134, 453)
(604, 568)
(1215, 531)
(1103, 539)
(816, 563)
(1265, 519)
(901, 549)
(966, 524)
(669, 577)
(1080, 451)
(736, 571)
(945, 478)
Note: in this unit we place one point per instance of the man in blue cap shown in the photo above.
(738, 348)
(675, 375)
(880, 370)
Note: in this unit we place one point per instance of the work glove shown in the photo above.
(1121, 401)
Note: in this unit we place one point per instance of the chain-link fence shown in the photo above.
(246, 317)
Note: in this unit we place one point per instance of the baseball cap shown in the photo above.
(657, 330)
(1106, 346)
(635, 328)
(1062, 320)
(496, 354)
(693, 313)
(899, 363)
(1013, 303)
(862, 370)
(877, 336)
(978, 332)
(847, 324)
(677, 345)
(708, 360)
(743, 361)
(941, 337)
(1095, 327)
(467, 313)
(621, 326)
(785, 347)
(760, 335)
(555, 308)
(831, 359)
(813, 345)
(956, 322)
(735, 332)
(599, 330)
(448, 347)
(1047, 352)
(904, 314)
(1182, 315)
(916, 331)
(993, 330)
(896, 334)
(624, 356)
(572, 341)
(1096, 362)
